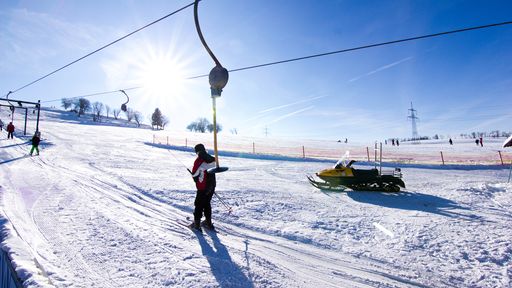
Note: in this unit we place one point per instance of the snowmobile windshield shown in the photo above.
(343, 161)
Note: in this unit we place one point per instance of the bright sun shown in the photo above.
(161, 77)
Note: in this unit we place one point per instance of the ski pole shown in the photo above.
(230, 209)
(179, 161)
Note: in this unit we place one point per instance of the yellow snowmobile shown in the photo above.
(343, 176)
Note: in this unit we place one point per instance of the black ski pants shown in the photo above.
(203, 205)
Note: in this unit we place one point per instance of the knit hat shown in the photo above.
(199, 148)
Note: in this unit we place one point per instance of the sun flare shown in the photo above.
(161, 77)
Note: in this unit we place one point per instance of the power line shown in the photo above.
(103, 47)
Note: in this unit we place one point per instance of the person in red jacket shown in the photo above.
(10, 131)
(205, 184)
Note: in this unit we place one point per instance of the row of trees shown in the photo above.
(202, 125)
(82, 106)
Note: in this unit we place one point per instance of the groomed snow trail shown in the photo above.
(100, 208)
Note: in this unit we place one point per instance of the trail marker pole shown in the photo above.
(442, 158)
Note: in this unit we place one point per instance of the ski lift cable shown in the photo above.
(103, 47)
(324, 54)
(94, 94)
(365, 47)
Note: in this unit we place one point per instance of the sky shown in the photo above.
(458, 83)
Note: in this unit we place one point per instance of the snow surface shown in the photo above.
(101, 206)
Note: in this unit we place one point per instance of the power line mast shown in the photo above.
(413, 118)
(266, 131)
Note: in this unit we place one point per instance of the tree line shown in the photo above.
(98, 110)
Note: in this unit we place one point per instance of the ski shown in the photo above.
(187, 224)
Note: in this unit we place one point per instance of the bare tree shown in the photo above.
(97, 108)
(200, 125)
(82, 105)
(107, 110)
(116, 113)
(66, 103)
(165, 121)
(137, 116)
(129, 114)
(210, 127)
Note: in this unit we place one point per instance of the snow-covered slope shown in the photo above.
(100, 207)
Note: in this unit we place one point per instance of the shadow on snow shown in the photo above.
(414, 201)
(227, 273)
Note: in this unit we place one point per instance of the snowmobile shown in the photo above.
(343, 176)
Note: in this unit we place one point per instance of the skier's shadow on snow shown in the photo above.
(227, 273)
(415, 201)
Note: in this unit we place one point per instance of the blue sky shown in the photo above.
(458, 83)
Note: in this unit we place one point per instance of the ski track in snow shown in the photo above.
(99, 208)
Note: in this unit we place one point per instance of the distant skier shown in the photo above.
(1, 125)
(205, 184)
(397, 143)
(35, 143)
(481, 142)
(477, 142)
(393, 142)
(10, 131)
(450, 141)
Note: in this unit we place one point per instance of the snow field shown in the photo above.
(100, 207)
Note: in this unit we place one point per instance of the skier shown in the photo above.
(1, 125)
(481, 142)
(477, 142)
(205, 184)
(35, 143)
(10, 131)
(450, 141)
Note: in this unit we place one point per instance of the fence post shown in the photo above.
(186, 142)
(153, 138)
(253, 148)
(303, 152)
(442, 158)
(368, 153)
(167, 140)
(501, 158)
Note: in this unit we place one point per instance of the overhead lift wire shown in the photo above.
(365, 47)
(94, 94)
(103, 47)
(329, 53)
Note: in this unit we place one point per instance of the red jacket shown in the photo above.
(10, 128)
(199, 172)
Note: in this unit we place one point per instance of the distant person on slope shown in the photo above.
(481, 142)
(35, 143)
(10, 131)
(477, 142)
(1, 125)
(450, 141)
(205, 184)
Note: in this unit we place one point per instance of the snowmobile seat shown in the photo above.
(361, 173)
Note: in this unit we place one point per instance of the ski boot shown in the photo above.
(195, 227)
(208, 225)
